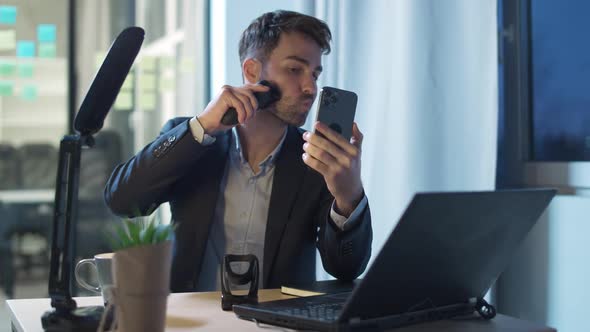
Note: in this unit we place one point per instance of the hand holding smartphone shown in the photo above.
(336, 109)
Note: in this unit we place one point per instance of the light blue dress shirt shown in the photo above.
(241, 213)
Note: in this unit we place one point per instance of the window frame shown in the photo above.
(516, 168)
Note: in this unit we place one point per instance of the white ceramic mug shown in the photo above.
(103, 265)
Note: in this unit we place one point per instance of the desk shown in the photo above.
(193, 311)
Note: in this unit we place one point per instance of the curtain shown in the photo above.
(425, 72)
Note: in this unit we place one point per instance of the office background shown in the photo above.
(444, 104)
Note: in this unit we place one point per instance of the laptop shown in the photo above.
(439, 261)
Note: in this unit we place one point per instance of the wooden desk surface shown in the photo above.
(193, 311)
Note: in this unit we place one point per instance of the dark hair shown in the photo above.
(262, 35)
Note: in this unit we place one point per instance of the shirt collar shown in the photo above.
(236, 147)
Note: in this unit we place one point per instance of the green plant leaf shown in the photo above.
(148, 234)
(131, 233)
(162, 233)
(124, 239)
(134, 230)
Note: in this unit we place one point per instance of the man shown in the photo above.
(264, 186)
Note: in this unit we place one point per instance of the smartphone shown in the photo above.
(336, 109)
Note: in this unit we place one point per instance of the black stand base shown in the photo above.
(82, 319)
(484, 309)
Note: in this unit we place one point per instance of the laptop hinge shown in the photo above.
(483, 308)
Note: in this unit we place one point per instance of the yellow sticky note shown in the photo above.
(147, 82)
(99, 58)
(147, 101)
(124, 101)
(128, 83)
(167, 84)
(187, 65)
(166, 62)
(7, 40)
(148, 63)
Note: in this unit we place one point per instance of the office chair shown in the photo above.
(38, 165)
(26, 226)
(9, 180)
(10, 176)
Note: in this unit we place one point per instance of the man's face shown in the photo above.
(294, 65)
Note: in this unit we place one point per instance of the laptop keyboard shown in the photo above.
(319, 311)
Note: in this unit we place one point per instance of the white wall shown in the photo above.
(425, 72)
(548, 280)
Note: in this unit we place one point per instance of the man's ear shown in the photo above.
(252, 70)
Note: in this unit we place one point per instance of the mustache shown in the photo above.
(304, 99)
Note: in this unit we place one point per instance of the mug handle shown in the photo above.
(81, 280)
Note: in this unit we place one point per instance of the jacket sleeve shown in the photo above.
(345, 253)
(138, 186)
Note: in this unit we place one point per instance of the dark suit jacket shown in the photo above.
(177, 169)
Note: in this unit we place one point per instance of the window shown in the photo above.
(560, 77)
(545, 123)
(169, 79)
(34, 39)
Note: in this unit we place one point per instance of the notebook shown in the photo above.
(438, 262)
(319, 287)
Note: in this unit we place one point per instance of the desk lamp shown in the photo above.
(90, 118)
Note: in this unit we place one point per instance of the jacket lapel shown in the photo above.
(288, 177)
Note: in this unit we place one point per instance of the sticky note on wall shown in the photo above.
(128, 83)
(148, 63)
(124, 101)
(6, 88)
(29, 93)
(7, 68)
(99, 58)
(25, 70)
(25, 49)
(167, 83)
(187, 65)
(167, 62)
(46, 33)
(147, 82)
(8, 15)
(47, 50)
(147, 101)
(7, 40)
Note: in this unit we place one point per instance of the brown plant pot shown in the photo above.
(142, 285)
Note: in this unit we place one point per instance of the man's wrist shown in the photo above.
(205, 124)
(346, 207)
(199, 133)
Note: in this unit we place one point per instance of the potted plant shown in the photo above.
(141, 274)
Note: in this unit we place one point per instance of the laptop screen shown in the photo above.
(446, 249)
